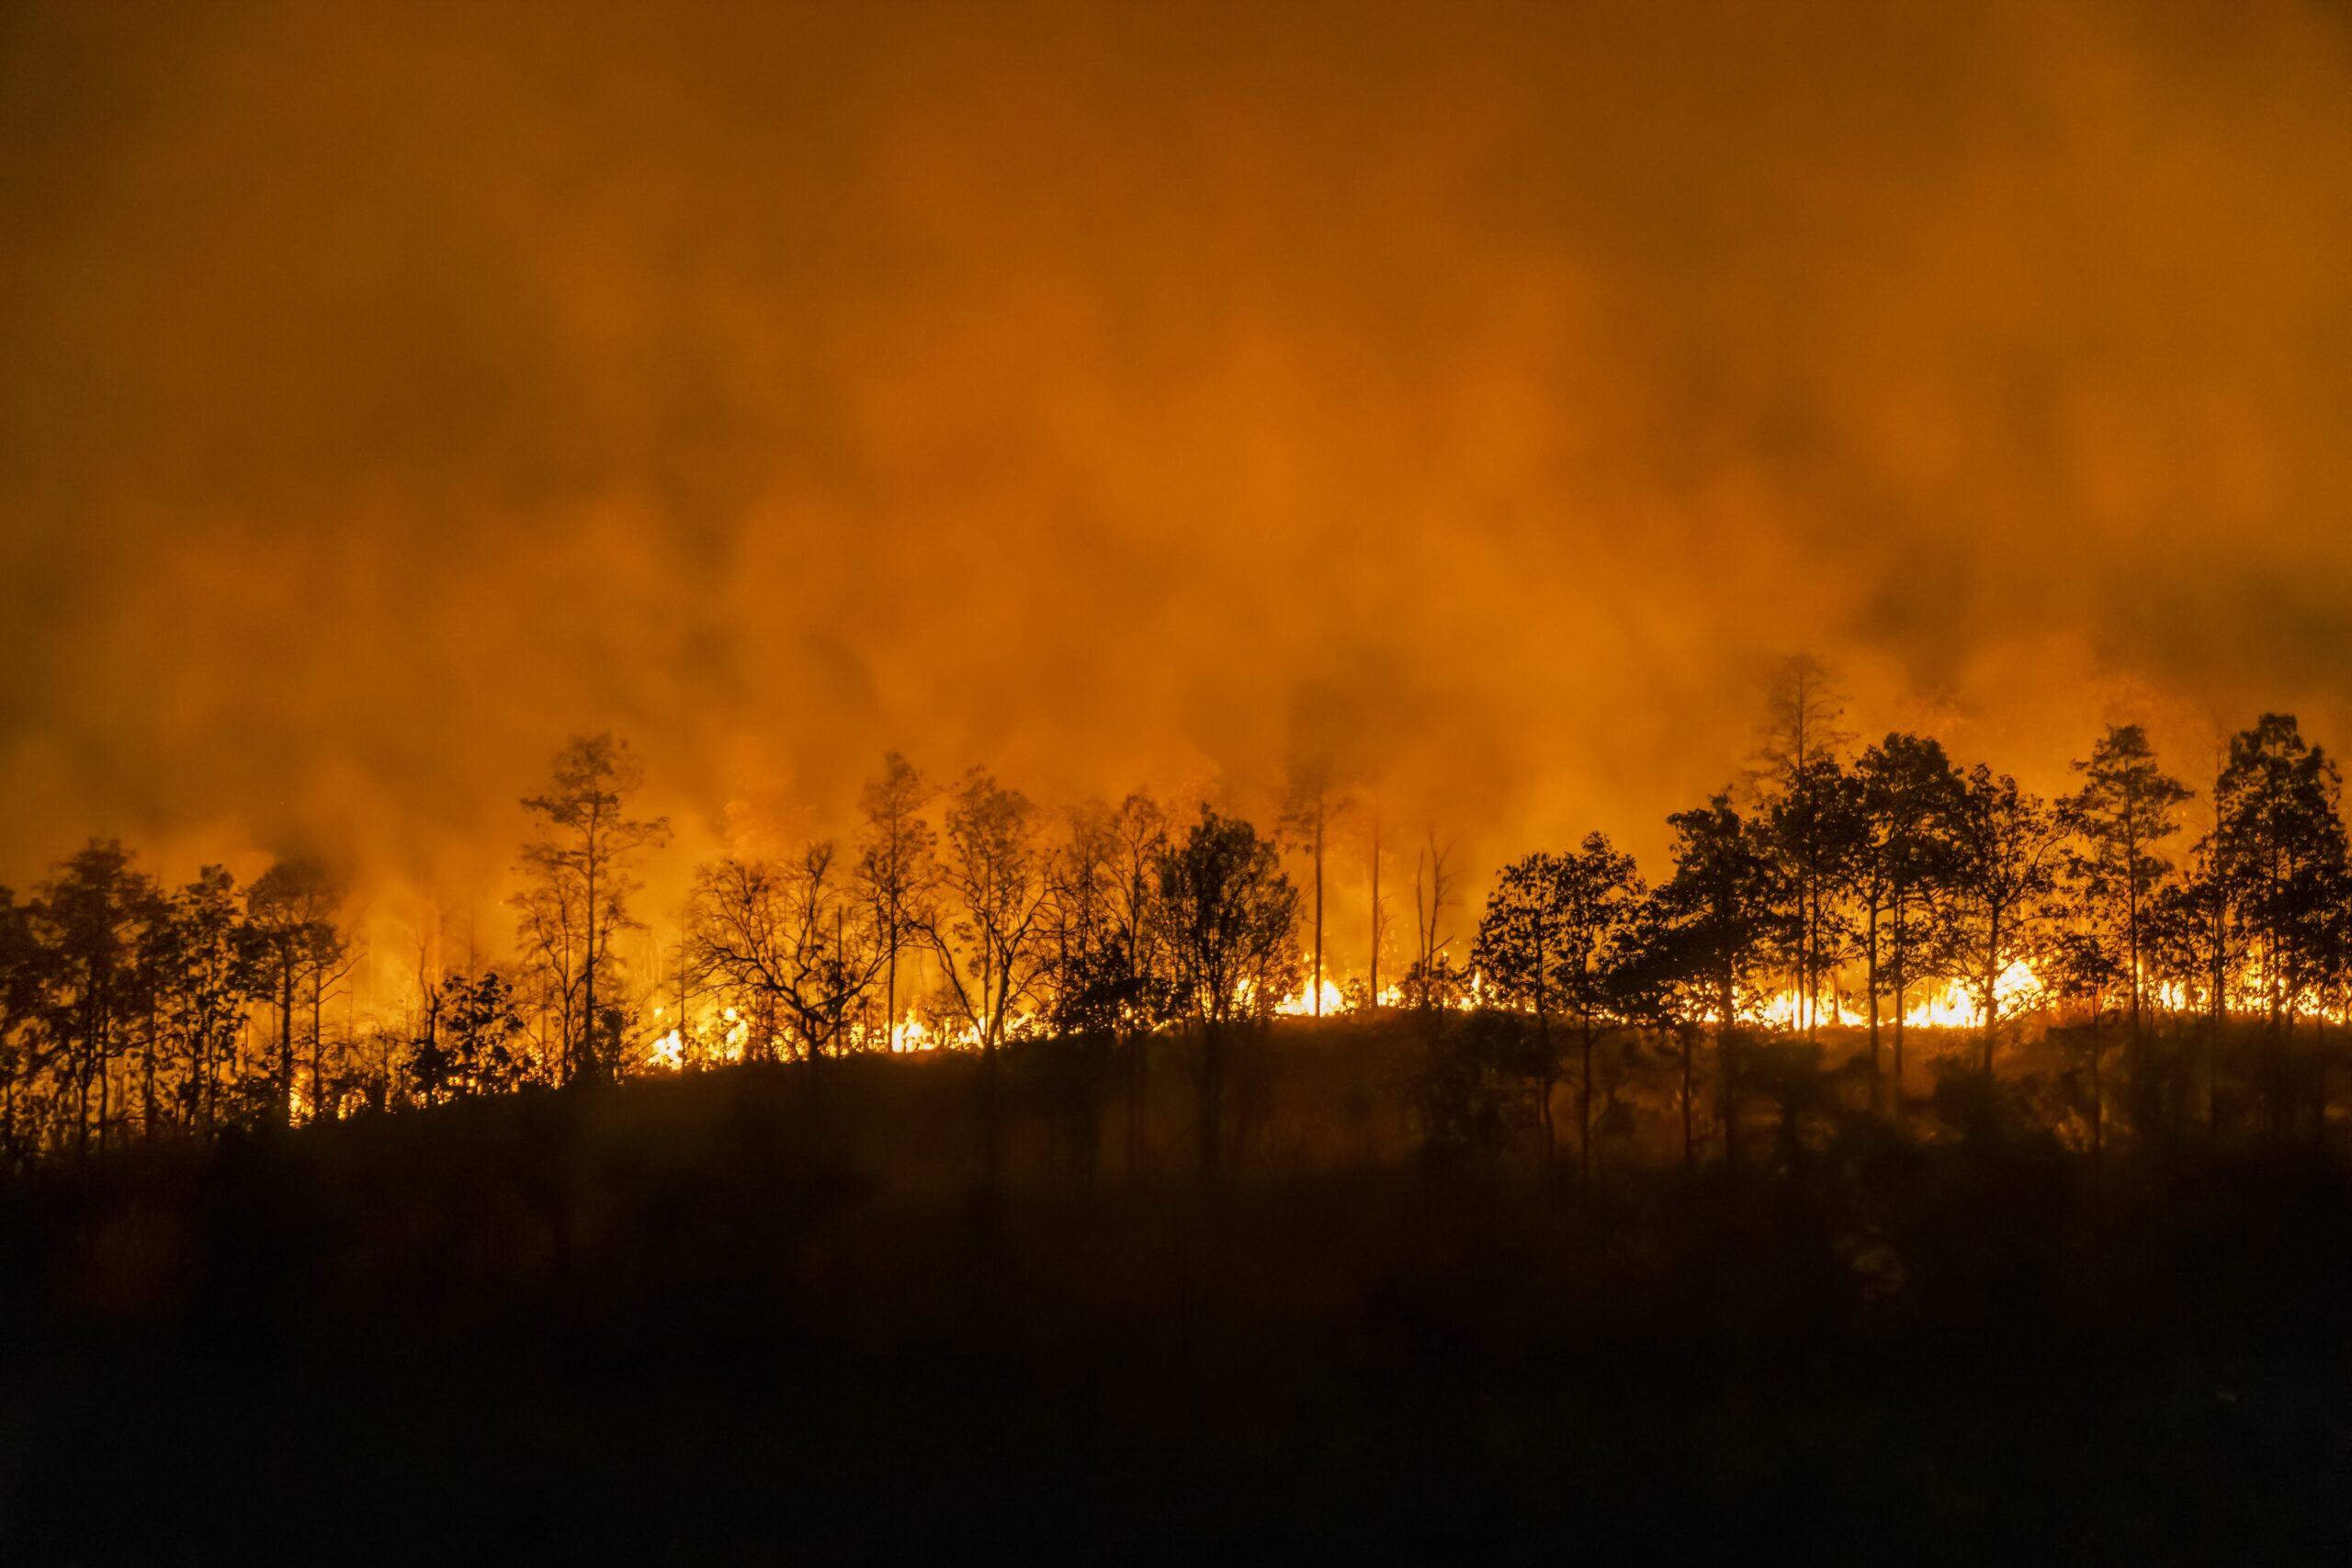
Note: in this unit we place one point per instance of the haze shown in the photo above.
(1486, 394)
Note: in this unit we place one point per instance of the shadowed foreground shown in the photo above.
(680, 1321)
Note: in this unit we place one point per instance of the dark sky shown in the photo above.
(1123, 394)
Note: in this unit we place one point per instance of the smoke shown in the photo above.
(1483, 395)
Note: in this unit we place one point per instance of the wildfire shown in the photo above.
(1301, 1003)
(911, 1035)
(1953, 1005)
(722, 1038)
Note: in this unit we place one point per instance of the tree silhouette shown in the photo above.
(1547, 941)
(989, 931)
(1108, 987)
(2279, 853)
(1311, 801)
(1138, 946)
(291, 913)
(2187, 938)
(1720, 919)
(1660, 983)
(774, 936)
(476, 1045)
(2083, 960)
(1907, 856)
(213, 955)
(1430, 981)
(1795, 767)
(2126, 808)
(579, 866)
(22, 986)
(91, 919)
(1230, 919)
(1379, 909)
(2010, 847)
(1816, 825)
(897, 869)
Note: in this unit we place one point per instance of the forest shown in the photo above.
(1914, 1164)
(1875, 927)
(1342, 781)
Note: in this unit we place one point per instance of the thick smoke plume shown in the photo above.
(1483, 394)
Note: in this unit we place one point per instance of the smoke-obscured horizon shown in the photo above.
(1486, 394)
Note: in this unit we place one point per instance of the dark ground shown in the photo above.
(680, 1322)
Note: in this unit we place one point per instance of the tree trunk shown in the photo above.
(2136, 1063)
(1877, 1085)
(286, 1042)
(105, 1080)
(1726, 1071)
(1584, 1108)
(147, 1077)
(2217, 1009)
(1812, 963)
(320, 1107)
(1901, 994)
(1992, 982)
(1690, 1146)
(1319, 908)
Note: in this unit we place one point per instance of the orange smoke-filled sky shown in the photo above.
(1127, 395)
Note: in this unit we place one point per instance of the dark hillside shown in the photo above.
(705, 1318)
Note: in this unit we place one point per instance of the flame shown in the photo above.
(1301, 1003)
(1953, 1005)
(718, 1039)
(911, 1035)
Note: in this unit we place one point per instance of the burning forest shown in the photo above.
(1075, 781)
(1872, 928)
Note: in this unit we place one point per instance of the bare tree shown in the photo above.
(897, 869)
(330, 973)
(774, 936)
(1379, 922)
(988, 931)
(579, 866)
(1311, 802)
(293, 910)
(1432, 895)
